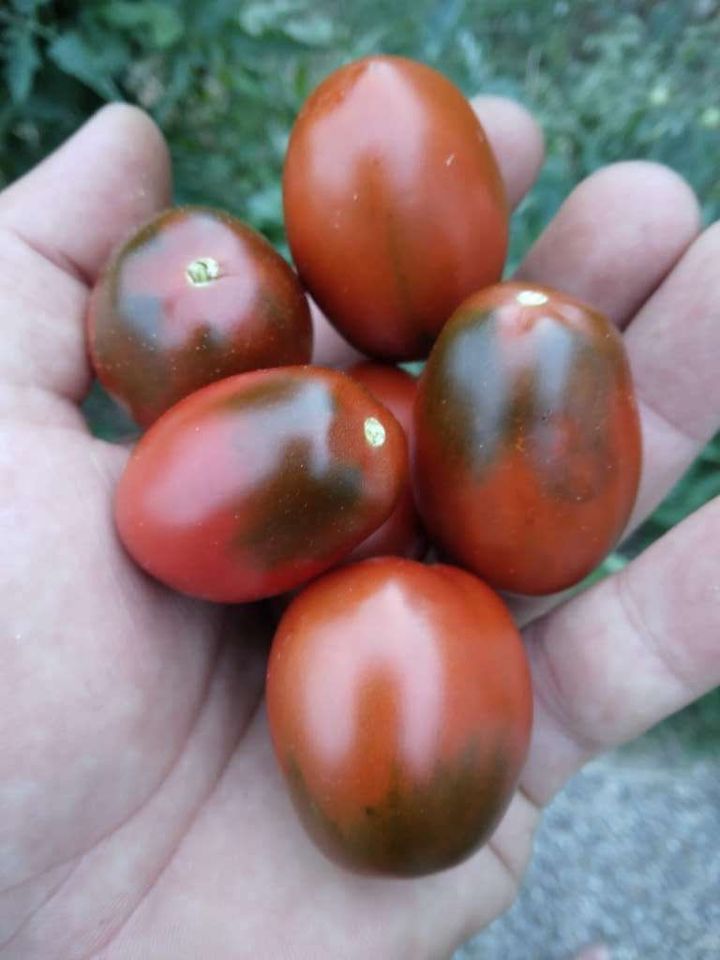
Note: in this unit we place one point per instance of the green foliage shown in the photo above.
(224, 78)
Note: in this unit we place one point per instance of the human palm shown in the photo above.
(141, 812)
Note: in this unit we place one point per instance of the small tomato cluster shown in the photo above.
(398, 691)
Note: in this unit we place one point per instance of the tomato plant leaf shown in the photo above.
(93, 65)
(21, 60)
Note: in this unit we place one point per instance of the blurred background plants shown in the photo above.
(224, 79)
(608, 79)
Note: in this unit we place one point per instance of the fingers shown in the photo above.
(77, 204)
(637, 647)
(674, 346)
(518, 145)
(626, 654)
(517, 142)
(616, 237)
(57, 227)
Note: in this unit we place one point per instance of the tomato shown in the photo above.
(400, 706)
(394, 206)
(193, 297)
(527, 438)
(401, 533)
(256, 483)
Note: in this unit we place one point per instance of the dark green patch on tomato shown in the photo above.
(303, 510)
(399, 836)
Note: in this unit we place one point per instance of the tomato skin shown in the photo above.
(401, 534)
(400, 707)
(394, 206)
(257, 483)
(528, 446)
(156, 335)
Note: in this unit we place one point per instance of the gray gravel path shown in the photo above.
(629, 854)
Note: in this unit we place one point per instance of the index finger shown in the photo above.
(58, 224)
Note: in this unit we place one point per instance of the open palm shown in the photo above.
(141, 814)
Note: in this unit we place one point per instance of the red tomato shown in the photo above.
(193, 297)
(527, 438)
(402, 533)
(400, 706)
(256, 483)
(394, 206)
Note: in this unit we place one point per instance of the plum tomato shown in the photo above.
(400, 707)
(193, 297)
(528, 443)
(256, 483)
(394, 206)
(402, 533)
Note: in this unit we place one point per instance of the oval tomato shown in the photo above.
(402, 533)
(400, 706)
(527, 438)
(258, 482)
(193, 297)
(394, 206)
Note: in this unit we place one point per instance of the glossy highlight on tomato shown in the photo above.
(528, 446)
(394, 206)
(400, 708)
(193, 297)
(257, 483)
(401, 534)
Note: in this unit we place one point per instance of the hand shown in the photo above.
(141, 812)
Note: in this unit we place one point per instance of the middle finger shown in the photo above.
(616, 237)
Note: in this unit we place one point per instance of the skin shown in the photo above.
(136, 824)
(399, 703)
(257, 483)
(402, 533)
(194, 296)
(374, 137)
(528, 441)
